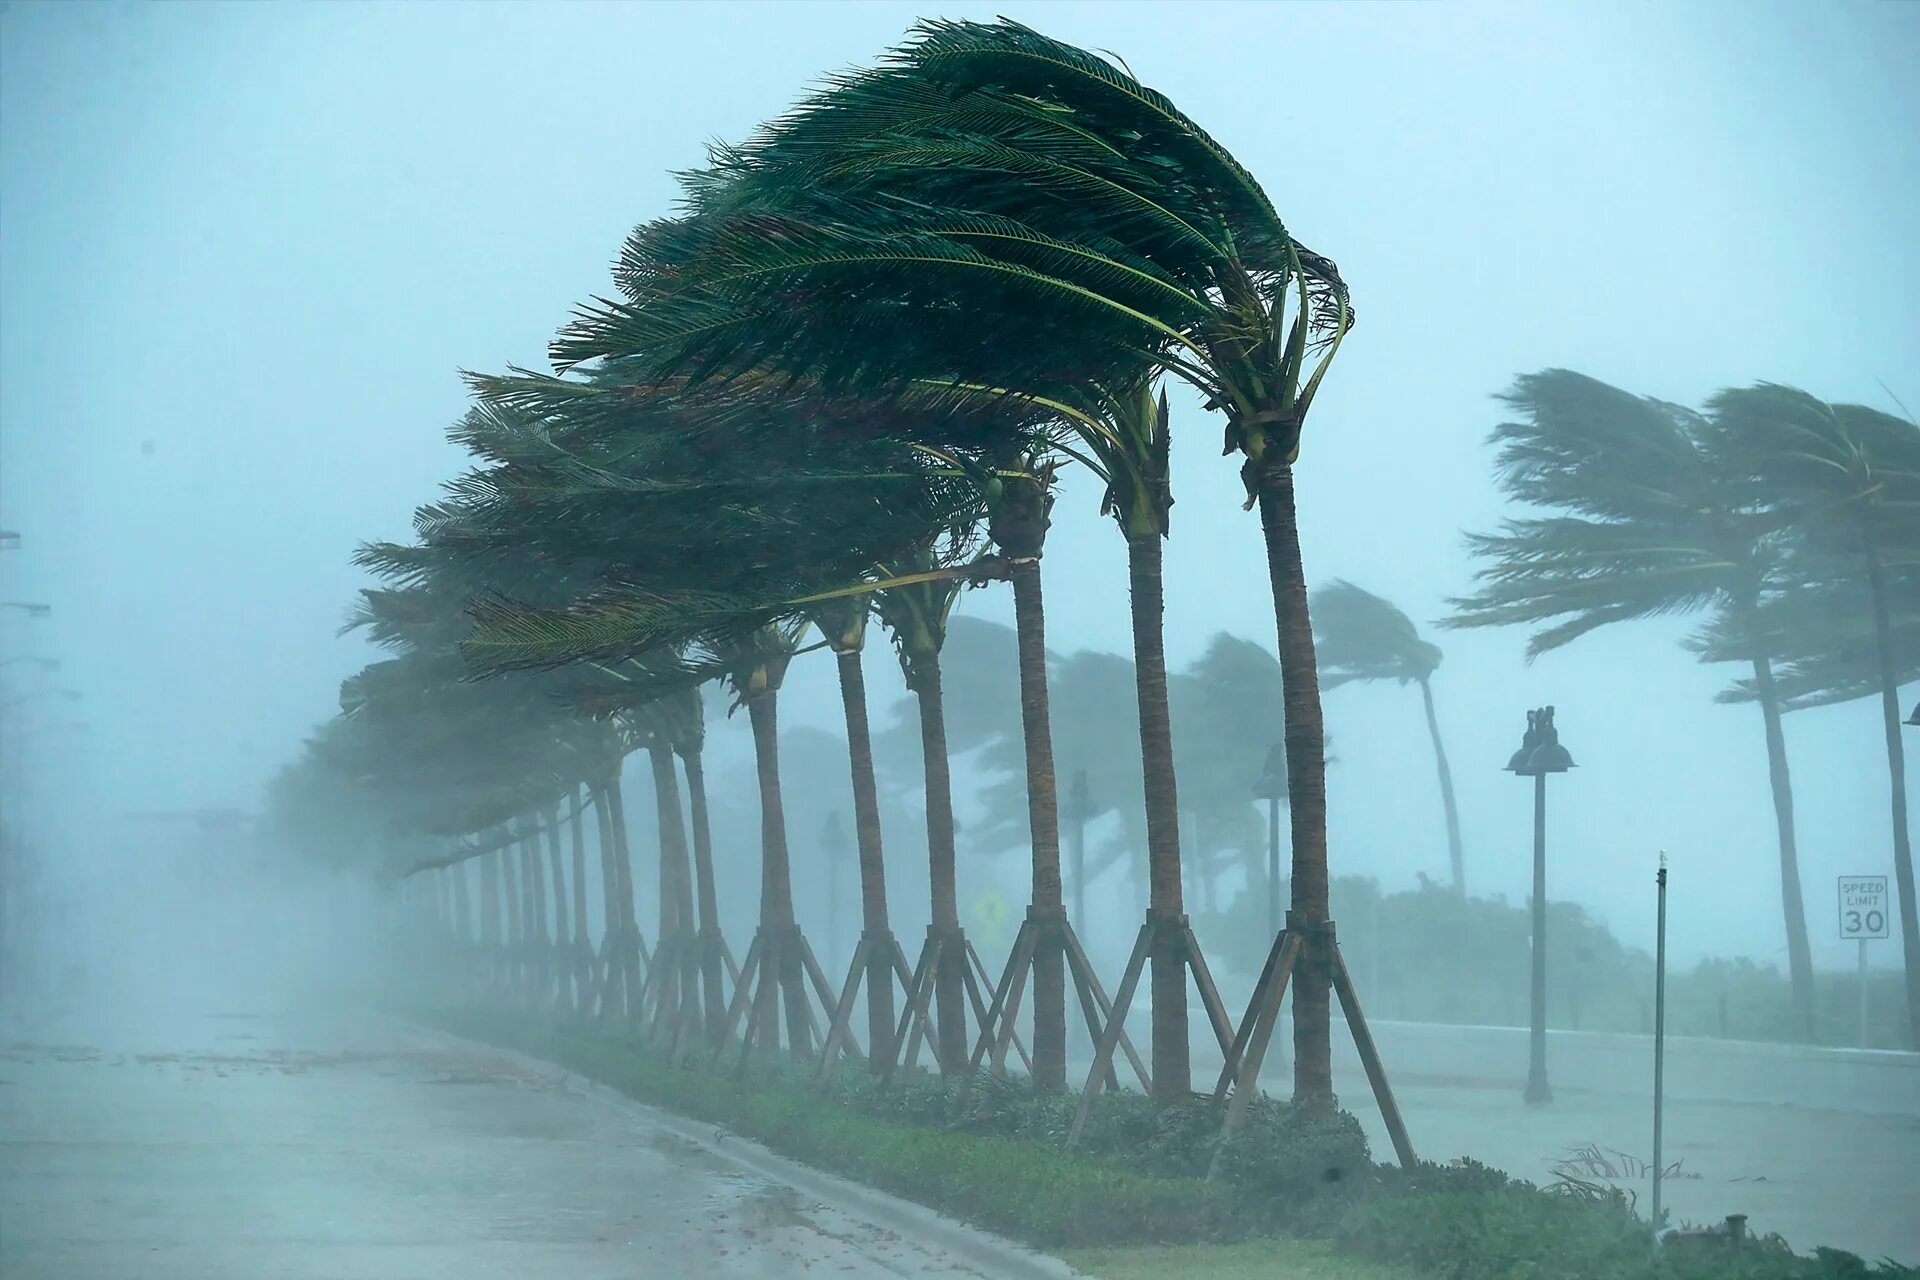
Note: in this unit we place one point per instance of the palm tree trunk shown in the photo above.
(562, 966)
(536, 895)
(612, 976)
(1172, 1070)
(711, 976)
(1897, 770)
(1799, 953)
(1043, 819)
(1456, 860)
(462, 904)
(628, 953)
(578, 838)
(873, 867)
(776, 876)
(490, 915)
(516, 918)
(949, 992)
(676, 898)
(1306, 781)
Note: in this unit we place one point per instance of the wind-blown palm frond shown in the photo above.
(1657, 520)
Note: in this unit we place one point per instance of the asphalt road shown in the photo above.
(246, 1147)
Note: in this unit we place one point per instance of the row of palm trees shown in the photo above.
(838, 386)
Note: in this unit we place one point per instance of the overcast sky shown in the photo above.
(244, 250)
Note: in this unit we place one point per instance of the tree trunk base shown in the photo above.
(1296, 945)
(878, 958)
(780, 974)
(1043, 931)
(947, 959)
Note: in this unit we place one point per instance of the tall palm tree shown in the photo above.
(843, 623)
(916, 614)
(1019, 506)
(1647, 512)
(1849, 476)
(992, 208)
(1360, 636)
(756, 682)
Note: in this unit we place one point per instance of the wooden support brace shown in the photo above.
(742, 994)
(914, 1020)
(974, 978)
(1247, 1081)
(1370, 1060)
(1209, 993)
(1012, 978)
(1110, 1035)
(1089, 983)
(839, 1028)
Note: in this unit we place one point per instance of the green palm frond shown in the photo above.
(1649, 514)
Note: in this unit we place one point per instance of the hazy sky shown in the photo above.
(244, 250)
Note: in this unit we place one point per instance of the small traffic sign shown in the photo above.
(1863, 906)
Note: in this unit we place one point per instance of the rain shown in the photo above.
(1028, 639)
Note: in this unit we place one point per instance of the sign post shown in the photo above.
(1863, 915)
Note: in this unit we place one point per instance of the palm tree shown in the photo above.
(1849, 477)
(916, 613)
(1648, 513)
(1360, 636)
(994, 209)
(1020, 500)
(843, 623)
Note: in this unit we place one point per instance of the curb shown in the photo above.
(994, 1256)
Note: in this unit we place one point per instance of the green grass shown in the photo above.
(1280, 1259)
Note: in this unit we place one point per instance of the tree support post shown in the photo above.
(1239, 1079)
(780, 970)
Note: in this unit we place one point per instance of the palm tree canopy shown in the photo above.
(1820, 634)
(988, 207)
(1836, 466)
(1361, 636)
(1649, 514)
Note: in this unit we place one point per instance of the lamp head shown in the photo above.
(1521, 761)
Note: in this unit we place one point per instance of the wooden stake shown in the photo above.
(1111, 1034)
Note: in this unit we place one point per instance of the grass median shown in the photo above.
(1294, 1194)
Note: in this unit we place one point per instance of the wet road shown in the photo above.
(247, 1148)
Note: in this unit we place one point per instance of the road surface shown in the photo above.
(246, 1147)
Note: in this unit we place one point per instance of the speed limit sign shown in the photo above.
(1863, 906)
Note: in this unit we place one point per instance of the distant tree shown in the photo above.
(1849, 478)
(1360, 636)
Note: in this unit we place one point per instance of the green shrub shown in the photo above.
(1518, 1233)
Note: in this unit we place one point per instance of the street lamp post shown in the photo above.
(1079, 808)
(1540, 754)
(833, 841)
(1271, 786)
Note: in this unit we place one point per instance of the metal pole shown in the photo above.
(1863, 993)
(1273, 866)
(1077, 797)
(1537, 1088)
(832, 842)
(1659, 1032)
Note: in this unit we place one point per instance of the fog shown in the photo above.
(247, 249)
(246, 252)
